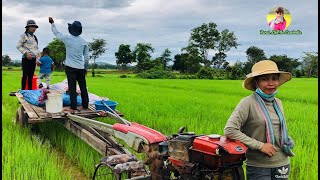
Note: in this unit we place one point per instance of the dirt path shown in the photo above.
(67, 164)
(70, 166)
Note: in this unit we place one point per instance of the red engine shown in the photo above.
(217, 152)
(205, 156)
(189, 156)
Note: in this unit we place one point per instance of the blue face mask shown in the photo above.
(264, 95)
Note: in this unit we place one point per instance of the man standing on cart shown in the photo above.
(76, 64)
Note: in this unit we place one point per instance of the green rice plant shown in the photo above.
(203, 106)
(23, 157)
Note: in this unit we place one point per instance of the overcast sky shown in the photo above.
(163, 23)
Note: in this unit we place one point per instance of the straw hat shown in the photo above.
(261, 68)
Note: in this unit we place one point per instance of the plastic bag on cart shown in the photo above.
(32, 96)
(63, 86)
(67, 102)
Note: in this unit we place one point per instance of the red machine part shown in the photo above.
(218, 152)
(209, 145)
(34, 83)
(151, 135)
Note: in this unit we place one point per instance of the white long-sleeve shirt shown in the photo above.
(77, 50)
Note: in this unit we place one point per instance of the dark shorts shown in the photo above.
(258, 173)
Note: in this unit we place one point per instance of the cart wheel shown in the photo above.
(95, 175)
(21, 117)
(114, 175)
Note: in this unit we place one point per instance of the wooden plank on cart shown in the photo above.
(44, 116)
(40, 110)
(27, 107)
(86, 136)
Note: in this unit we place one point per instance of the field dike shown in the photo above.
(66, 163)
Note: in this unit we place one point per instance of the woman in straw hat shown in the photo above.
(258, 121)
(28, 46)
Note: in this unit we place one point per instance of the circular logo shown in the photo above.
(239, 148)
(279, 18)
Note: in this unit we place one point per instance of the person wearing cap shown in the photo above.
(258, 121)
(278, 23)
(28, 46)
(76, 64)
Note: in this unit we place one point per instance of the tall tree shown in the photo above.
(225, 65)
(142, 55)
(165, 58)
(124, 56)
(178, 63)
(219, 59)
(235, 71)
(226, 41)
(310, 63)
(97, 47)
(254, 54)
(189, 61)
(6, 60)
(57, 52)
(206, 37)
(285, 63)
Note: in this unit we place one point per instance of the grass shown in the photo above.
(24, 156)
(203, 106)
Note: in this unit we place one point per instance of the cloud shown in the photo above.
(163, 23)
(108, 4)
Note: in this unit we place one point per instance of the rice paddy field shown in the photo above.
(203, 106)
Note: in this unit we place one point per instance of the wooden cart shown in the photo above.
(81, 124)
(31, 114)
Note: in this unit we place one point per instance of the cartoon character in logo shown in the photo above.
(279, 23)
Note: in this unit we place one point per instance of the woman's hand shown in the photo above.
(29, 55)
(268, 149)
(51, 20)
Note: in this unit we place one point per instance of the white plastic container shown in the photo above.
(54, 103)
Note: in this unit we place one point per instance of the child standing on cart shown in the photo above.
(46, 67)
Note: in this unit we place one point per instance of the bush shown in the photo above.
(298, 73)
(156, 73)
(205, 73)
(124, 76)
(188, 76)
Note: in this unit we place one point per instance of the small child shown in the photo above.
(46, 67)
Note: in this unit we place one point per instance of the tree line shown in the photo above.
(193, 59)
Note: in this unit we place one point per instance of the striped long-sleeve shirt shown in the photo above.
(28, 43)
